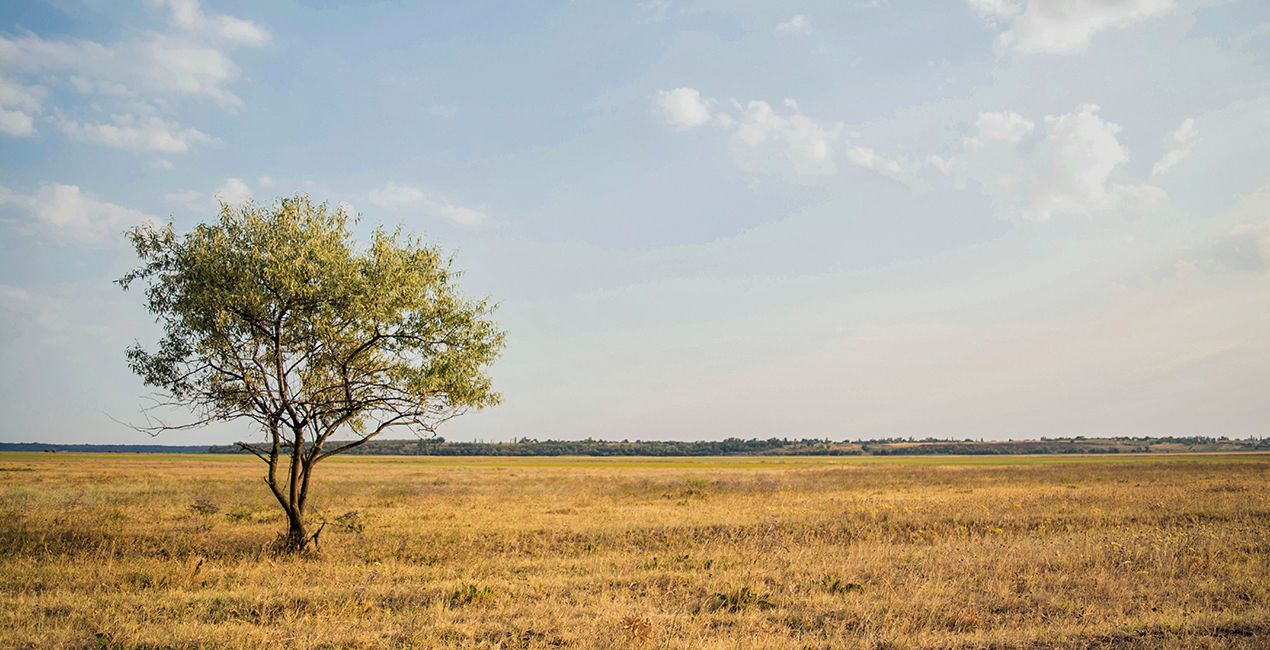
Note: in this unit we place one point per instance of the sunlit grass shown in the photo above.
(618, 552)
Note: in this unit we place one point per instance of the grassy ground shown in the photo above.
(1034, 552)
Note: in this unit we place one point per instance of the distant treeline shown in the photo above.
(728, 447)
(799, 447)
(589, 447)
(122, 449)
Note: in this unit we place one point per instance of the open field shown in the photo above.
(934, 552)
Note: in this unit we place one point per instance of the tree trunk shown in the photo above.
(297, 537)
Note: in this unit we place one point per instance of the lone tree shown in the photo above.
(273, 314)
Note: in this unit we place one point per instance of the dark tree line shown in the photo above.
(797, 447)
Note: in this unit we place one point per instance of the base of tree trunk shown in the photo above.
(297, 541)
(293, 542)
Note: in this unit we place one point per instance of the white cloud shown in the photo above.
(135, 133)
(1170, 158)
(944, 165)
(995, 9)
(151, 65)
(869, 159)
(70, 214)
(1182, 140)
(796, 25)
(18, 106)
(19, 96)
(764, 139)
(1062, 26)
(762, 135)
(265, 181)
(682, 108)
(1004, 126)
(185, 197)
(187, 15)
(189, 58)
(399, 198)
(392, 196)
(1063, 170)
(16, 123)
(233, 191)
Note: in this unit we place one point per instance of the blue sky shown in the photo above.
(990, 218)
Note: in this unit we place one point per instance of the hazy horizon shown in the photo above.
(159, 442)
(982, 219)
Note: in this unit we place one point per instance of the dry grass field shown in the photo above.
(1031, 552)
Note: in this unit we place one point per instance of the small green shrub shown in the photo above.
(735, 601)
(240, 514)
(467, 595)
(835, 585)
(204, 507)
(351, 521)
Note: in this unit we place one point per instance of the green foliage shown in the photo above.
(272, 305)
(467, 595)
(836, 585)
(739, 599)
(240, 514)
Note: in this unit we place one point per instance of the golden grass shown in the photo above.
(1172, 551)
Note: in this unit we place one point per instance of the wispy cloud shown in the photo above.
(404, 198)
(70, 215)
(1182, 141)
(1063, 27)
(796, 26)
(764, 138)
(134, 76)
(135, 133)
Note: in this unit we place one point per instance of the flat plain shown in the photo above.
(115, 550)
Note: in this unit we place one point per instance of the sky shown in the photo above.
(700, 219)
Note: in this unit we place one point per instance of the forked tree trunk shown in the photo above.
(292, 491)
(297, 536)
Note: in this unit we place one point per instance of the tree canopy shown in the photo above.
(275, 315)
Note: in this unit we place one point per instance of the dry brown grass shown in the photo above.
(106, 550)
